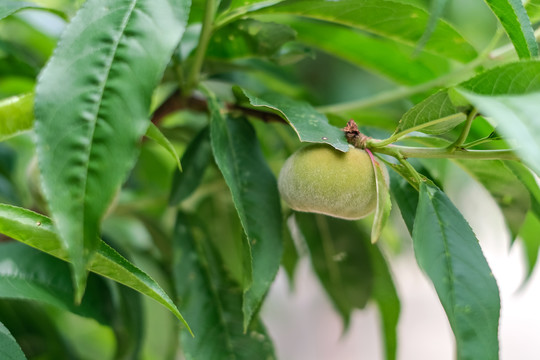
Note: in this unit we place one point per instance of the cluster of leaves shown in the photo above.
(79, 176)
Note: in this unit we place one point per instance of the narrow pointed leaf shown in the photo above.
(510, 96)
(9, 349)
(244, 5)
(531, 242)
(38, 231)
(499, 180)
(528, 233)
(340, 255)
(382, 56)
(290, 257)
(435, 115)
(8, 170)
(249, 38)
(447, 250)
(435, 13)
(505, 188)
(529, 181)
(35, 330)
(91, 107)
(402, 22)
(255, 196)
(406, 197)
(402, 171)
(533, 10)
(16, 115)
(26, 273)
(514, 19)
(212, 303)
(385, 296)
(129, 322)
(195, 159)
(155, 134)
(384, 203)
(309, 124)
(9, 7)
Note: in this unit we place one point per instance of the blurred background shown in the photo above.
(300, 318)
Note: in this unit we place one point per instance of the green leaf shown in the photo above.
(533, 10)
(514, 19)
(8, 7)
(100, 79)
(237, 8)
(509, 96)
(404, 172)
(380, 55)
(448, 252)
(249, 38)
(384, 203)
(406, 198)
(8, 165)
(435, 13)
(128, 324)
(38, 231)
(528, 234)
(255, 196)
(402, 22)
(16, 115)
(15, 65)
(26, 273)
(435, 115)
(195, 159)
(155, 134)
(212, 302)
(505, 188)
(247, 4)
(352, 270)
(310, 125)
(290, 257)
(385, 295)
(340, 255)
(25, 51)
(531, 241)
(9, 349)
(501, 182)
(528, 180)
(35, 330)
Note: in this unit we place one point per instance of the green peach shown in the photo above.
(321, 179)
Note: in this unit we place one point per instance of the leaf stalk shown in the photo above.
(465, 132)
(459, 153)
(206, 33)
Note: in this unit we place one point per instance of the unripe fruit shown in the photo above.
(320, 179)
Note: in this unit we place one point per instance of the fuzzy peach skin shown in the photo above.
(320, 179)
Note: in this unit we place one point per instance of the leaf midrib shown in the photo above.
(215, 295)
(448, 260)
(522, 28)
(98, 104)
(141, 283)
(374, 27)
(238, 178)
(453, 299)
